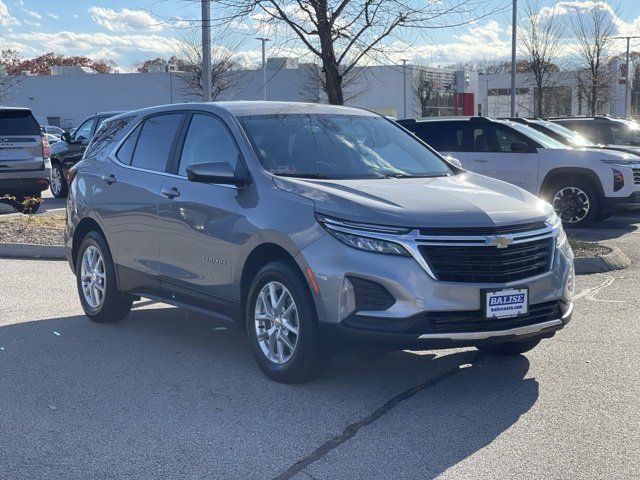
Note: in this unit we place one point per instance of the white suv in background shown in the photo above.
(581, 184)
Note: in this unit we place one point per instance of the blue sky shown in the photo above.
(131, 30)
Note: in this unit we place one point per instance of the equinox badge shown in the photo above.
(499, 241)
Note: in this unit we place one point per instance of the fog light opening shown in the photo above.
(347, 299)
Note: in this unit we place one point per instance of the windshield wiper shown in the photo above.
(407, 175)
(302, 175)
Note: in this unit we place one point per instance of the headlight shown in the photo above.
(555, 222)
(369, 244)
(362, 241)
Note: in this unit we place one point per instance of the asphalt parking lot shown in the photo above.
(169, 394)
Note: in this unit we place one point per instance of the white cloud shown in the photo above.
(33, 14)
(6, 20)
(124, 20)
(53, 15)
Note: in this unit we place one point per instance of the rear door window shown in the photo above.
(156, 142)
(105, 136)
(444, 136)
(18, 122)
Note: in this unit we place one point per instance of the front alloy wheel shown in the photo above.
(572, 204)
(276, 322)
(93, 277)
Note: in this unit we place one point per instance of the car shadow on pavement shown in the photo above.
(170, 393)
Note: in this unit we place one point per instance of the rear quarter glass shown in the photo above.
(18, 122)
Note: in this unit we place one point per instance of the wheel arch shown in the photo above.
(260, 256)
(85, 226)
(572, 172)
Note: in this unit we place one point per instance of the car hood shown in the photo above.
(595, 154)
(623, 148)
(464, 200)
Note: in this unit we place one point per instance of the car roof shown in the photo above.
(245, 108)
(110, 114)
(16, 109)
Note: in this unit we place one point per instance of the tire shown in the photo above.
(31, 207)
(509, 348)
(112, 305)
(577, 202)
(308, 358)
(58, 183)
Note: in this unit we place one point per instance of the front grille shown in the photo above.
(636, 176)
(462, 322)
(488, 264)
(504, 230)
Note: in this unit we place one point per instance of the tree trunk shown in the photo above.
(330, 67)
(594, 97)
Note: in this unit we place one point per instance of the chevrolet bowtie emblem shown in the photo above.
(499, 241)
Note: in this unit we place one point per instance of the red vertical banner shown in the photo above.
(463, 104)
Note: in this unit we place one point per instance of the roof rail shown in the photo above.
(480, 119)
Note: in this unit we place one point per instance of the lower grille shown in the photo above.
(636, 176)
(371, 295)
(488, 264)
(455, 322)
(462, 322)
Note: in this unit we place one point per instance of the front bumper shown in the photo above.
(419, 297)
(343, 335)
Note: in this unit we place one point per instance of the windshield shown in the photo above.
(338, 146)
(573, 137)
(625, 133)
(544, 140)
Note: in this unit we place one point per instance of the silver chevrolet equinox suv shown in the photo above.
(313, 227)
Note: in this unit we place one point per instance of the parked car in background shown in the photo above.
(311, 225)
(582, 185)
(51, 138)
(569, 137)
(603, 130)
(53, 130)
(70, 149)
(24, 159)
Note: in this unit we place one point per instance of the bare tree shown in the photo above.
(540, 36)
(344, 33)
(225, 69)
(593, 28)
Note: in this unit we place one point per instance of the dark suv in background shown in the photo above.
(70, 149)
(24, 159)
(603, 130)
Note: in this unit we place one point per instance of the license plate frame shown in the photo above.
(519, 309)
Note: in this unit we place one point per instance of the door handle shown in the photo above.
(170, 192)
(109, 179)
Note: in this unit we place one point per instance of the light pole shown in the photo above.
(627, 83)
(404, 87)
(514, 21)
(206, 50)
(264, 66)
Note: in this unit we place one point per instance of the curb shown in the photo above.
(614, 260)
(32, 251)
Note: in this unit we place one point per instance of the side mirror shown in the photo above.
(66, 137)
(520, 147)
(454, 161)
(216, 172)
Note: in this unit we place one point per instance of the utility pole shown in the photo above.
(206, 50)
(628, 79)
(404, 87)
(264, 66)
(514, 22)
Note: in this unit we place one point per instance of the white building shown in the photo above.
(69, 95)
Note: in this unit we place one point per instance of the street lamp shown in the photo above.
(264, 66)
(514, 21)
(206, 50)
(627, 86)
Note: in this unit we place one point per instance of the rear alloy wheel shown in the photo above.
(101, 300)
(282, 325)
(577, 203)
(58, 181)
